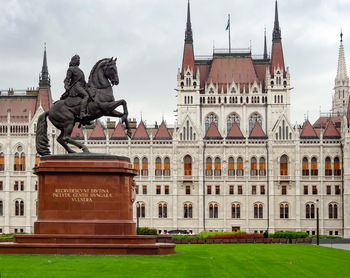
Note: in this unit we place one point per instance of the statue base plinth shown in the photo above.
(85, 207)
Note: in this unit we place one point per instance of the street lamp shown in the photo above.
(138, 212)
(317, 223)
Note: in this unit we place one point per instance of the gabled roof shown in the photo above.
(119, 133)
(235, 132)
(162, 133)
(323, 121)
(331, 132)
(213, 132)
(257, 132)
(18, 107)
(77, 133)
(308, 131)
(97, 133)
(141, 133)
(225, 70)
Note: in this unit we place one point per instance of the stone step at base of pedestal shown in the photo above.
(87, 249)
(85, 239)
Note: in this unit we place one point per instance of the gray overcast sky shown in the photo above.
(148, 36)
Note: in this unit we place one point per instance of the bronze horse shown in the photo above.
(64, 113)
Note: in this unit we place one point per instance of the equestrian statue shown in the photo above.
(82, 102)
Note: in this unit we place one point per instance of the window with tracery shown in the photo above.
(305, 167)
(235, 211)
(217, 165)
(188, 165)
(284, 210)
(255, 117)
(233, 118)
(211, 118)
(158, 170)
(166, 171)
(231, 167)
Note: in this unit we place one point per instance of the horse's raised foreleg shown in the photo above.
(113, 113)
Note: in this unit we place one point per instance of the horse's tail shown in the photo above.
(41, 140)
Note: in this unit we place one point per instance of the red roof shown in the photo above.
(162, 132)
(203, 74)
(323, 121)
(257, 132)
(235, 132)
(18, 106)
(141, 132)
(277, 57)
(45, 98)
(228, 69)
(188, 58)
(77, 133)
(213, 132)
(261, 71)
(119, 133)
(308, 131)
(331, 132)
(97, 132)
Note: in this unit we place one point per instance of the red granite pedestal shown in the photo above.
(85, 207)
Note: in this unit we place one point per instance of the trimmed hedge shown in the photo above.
(290, 235)
(146, 231)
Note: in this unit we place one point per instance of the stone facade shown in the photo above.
(233, 160)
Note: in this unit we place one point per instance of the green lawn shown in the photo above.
(211, 260)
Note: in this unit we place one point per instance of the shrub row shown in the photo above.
(290, 235)
(146, 231)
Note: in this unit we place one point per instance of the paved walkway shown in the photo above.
(345, 246)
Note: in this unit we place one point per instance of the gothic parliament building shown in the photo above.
(232, 160)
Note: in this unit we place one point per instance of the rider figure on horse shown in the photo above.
(75, 85)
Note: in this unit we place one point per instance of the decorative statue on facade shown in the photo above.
(82, 102)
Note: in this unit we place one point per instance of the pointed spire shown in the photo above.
(342, 74)
(44, 79)
(276, 30)
(188, 33)
(265, 45)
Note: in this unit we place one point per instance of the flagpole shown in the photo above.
(229, 34)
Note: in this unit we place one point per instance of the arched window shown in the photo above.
(240, 171)
(213, 211)
(137, 165)
(2, 161)
(144, 171)
(258, 211)
(232, 118)
(231, 166)
(255, 117)
(305, 167)
(187, 210)
(310, 211)
(253, 167)
(314, 170)
(1, 208)
(208, 167)
(262, 167)
(19, 160)
(16, 165)
(217, 169)
(19, 208)
(284, 210)
(336, 166)
(328, 166)
(37, 161)
(140, 209)
(188, 165)
(211, 118)
(307, 211)
(332, 211)
(162, 210)
(158, 170)
(284, 165)
(236, 211)
(166, 171)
